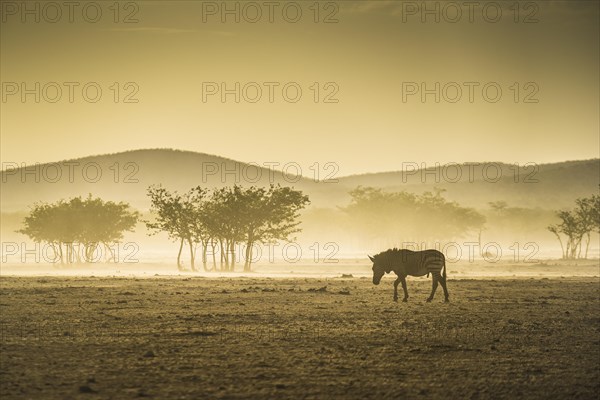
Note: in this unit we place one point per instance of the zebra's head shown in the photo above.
(378, 270)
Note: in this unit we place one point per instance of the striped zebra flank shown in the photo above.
(414, 263)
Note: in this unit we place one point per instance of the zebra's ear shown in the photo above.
(371, 258)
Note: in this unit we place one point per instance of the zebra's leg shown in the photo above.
(435, 277)
(443, 283)
(405, 299)
(396, 282)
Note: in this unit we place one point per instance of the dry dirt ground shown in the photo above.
(188, 338)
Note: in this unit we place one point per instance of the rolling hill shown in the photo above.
(125, 177)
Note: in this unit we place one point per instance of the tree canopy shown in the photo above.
(381, 215)
(576, 225)
(86, 223)
(224, 218)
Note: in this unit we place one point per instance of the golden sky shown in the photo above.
(372, 57)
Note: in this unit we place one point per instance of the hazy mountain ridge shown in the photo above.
(470, 171)
(552, 186)
(125, 176)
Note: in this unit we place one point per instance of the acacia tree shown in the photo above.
(194, 202)
(225, 218)
(215, 231)
(588, 213)
(377, 215)
(89, 223)
(177, 215)
(220, 216)
(439, 218)
(384, 216)
(268, 215)
(101, 223)
(41, 226)
(213, 234)
(577, 224)
(570, 227)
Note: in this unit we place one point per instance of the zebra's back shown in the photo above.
(419, 263)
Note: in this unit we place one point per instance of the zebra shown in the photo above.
(415, 263)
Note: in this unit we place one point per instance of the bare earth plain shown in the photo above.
(309, 338)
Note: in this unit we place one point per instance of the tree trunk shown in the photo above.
(54, 251)
(192, 255)
(232, 254)
(89, 249)
(222, 255)
(78, 254)
(225, 252)
(60, 252)
(204, 258)
(56, 247)
(587, 245)
(179, 266)
(213, 245)
(573, 248)
(111, 252)
(562, 247)
(248, 261)
(577, 247)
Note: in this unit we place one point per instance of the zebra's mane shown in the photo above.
(388, 255)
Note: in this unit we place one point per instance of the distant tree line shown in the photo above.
(379, 215)
(77, 228)
(218, 221)
(515, 224)
(214, 224)
(576, 225)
